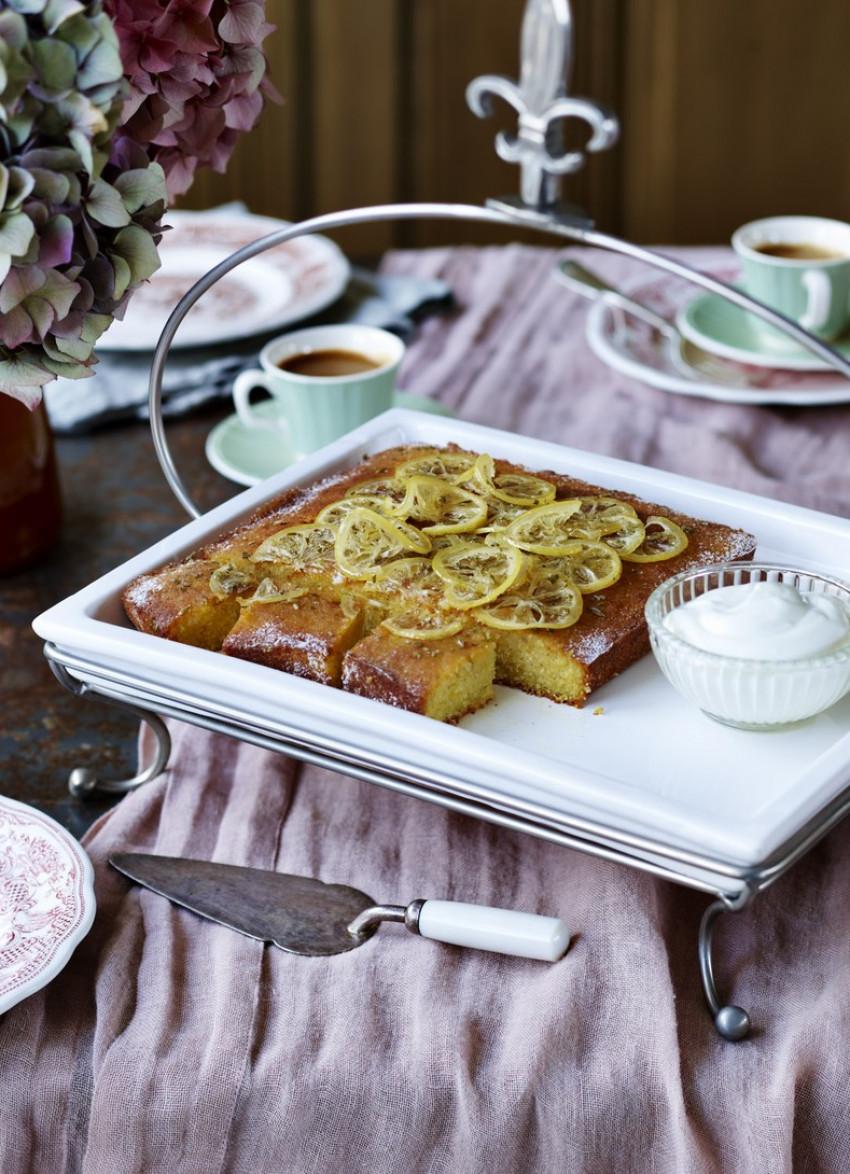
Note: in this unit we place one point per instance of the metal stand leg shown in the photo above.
(83, 782)
(733, 1023)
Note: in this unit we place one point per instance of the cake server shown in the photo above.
(306, 916)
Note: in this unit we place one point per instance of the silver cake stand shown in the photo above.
(542, 103)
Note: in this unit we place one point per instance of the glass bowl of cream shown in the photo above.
(755, 646)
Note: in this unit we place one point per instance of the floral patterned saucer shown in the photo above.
(47, 900)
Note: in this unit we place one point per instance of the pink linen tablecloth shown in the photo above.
(172, 1045)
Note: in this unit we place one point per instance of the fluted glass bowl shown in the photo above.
(748, 693)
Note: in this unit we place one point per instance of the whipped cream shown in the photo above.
(762, 621)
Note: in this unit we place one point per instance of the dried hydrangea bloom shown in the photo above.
(80, 215)
(197, 79)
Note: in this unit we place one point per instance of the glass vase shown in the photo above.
(30, 502)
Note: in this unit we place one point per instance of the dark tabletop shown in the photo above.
(117, 502)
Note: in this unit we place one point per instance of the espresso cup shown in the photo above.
(323, 381)
(800, 266)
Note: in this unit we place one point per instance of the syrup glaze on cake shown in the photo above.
(249, 596)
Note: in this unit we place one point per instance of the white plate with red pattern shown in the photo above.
(268, 292)
(46, 900)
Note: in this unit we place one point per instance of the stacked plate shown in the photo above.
(733, 363)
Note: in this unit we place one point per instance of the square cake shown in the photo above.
(424, 575)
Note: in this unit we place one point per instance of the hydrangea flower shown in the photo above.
(80, 215)
(197, 79)
(107, 108)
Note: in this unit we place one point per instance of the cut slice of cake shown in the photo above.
(307, 636)
(444, 679)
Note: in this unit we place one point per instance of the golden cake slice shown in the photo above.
(308, 635)
(423, 575)
(445, 678)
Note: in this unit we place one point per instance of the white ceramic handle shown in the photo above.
(819, 290)
(504, 931)
(243, 385)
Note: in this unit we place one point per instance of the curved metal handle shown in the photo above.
(496, 212)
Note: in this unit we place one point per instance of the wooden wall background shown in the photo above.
(729, 110)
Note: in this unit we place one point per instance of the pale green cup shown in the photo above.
(799, 265)
(312, 410)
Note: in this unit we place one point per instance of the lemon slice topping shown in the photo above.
(309, 546)
(628, 537)
(446, 508)
(522, 489)
(381, 493)
(414, 576)
(599, 516)
(664, 539)
(447, 465)
(519, 489)
(500, 514)
(592, 566)
(475, 573)
(228, 580)
(424, 625)
(269, 592)
(545, 529)
(367, 539)
(547, 598)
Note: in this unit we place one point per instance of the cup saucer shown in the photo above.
(725, 329)
(249, 455)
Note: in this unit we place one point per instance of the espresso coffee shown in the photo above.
(799, 252)
(328, 364)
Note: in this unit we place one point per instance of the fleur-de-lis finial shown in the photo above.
(540, 98)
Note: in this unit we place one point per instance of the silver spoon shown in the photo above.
(691, 360)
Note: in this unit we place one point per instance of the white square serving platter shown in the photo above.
(638, 769)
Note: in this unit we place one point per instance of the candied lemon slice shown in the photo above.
(479, 476)
(302, 547)
(269, 592)
(592, 566)
(228, 579)
(447, 465)
(519, 489)
(389, 491)
(366, 540)
(475, 573)
(545, 529)
(381, 501)
(424, 625)
(446, 508)
(664, 539)
(599, 516)
(546, 598)
(500, 514)
(522, 489)
(413, 575)
(332, 515)
(629, 536)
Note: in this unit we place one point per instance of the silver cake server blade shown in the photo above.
(303, 915)
(691, 360)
